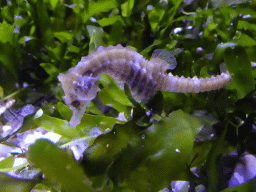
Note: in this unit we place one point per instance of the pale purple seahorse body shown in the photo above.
(144, 78)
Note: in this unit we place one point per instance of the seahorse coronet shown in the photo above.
(144, 77)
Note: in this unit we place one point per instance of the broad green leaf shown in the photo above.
(155, 16)
(127, 160)
(127, 8)
(174, 132)
(171, 13)
(170, 143)
(8, 58)
(58, 52)
(11, 184)
(98, 7)
(73, 49)
(7, 163)
(57, 126)
(219, 52)
(6, 33)
(114, 90)
(245, 40)
(63, 36)
(239, 66)
(50, 69)
(209, 28)
(39, 13)
(6, 170)
(251, 53)
(44, 22)
(59, 167)
(112, 95)
(199, 154)
(64, 111)
(110, 21)
(101, 121)
(117, 33)
(54, 3)
(158, 156)
(6, 13)
(101, 153)
(107, 99)
(246, 25)
(89, 121)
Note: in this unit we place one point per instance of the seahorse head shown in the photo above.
(79, 91)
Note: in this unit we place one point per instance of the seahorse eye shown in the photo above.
(88, 86)
(75, 103)
(89, 73)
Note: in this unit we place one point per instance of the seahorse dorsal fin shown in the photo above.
(165, 56)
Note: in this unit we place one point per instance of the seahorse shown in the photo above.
(144, 77)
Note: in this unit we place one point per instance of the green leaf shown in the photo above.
(50, 69)
(64, 110)
(112, 95)
(246, 25)
(107, 99)
(98, 121)
(63, 36)
(114, 90)
(209, 28)
(7, 163)
(117, 33)
(239, 66)
(44, 22)
(110, 21)
(58, 52)
(54, 3)
(39, 13)
(127, 8)
(219, 52)
(57, 126)
(10, 184)
(245, 40)
(6, 33)
(89, 121)
(170, 143)
(98, 7)
(199, 154)
(155, 16)
(170, 15)
(8, 57)
(101, 153)
(59, 167)
(6, 14)
(74, 49)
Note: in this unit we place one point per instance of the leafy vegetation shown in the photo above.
(138, 146)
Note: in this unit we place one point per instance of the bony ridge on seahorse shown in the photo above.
(144, 77)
